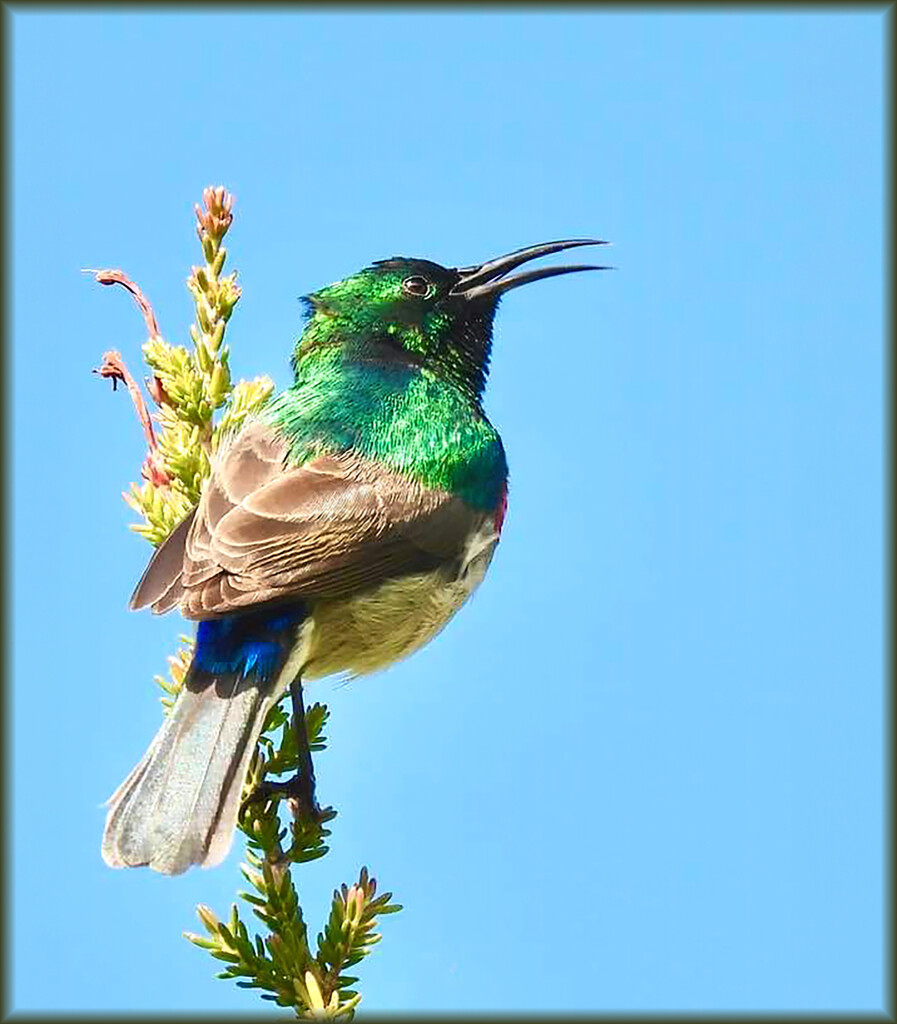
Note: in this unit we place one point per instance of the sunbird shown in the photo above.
(341, 527)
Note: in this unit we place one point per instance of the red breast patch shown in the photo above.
(501, 510)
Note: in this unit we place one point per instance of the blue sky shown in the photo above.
(643, 768)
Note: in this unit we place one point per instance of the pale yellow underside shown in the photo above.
(364, 633)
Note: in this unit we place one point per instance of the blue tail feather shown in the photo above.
(249, 643)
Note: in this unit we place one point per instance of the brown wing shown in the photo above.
(263, 532)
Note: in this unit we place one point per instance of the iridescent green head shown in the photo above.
(418, 312)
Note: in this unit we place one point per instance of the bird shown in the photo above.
(341, 527)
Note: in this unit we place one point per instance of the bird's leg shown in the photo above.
(303, 782)
(301, 787)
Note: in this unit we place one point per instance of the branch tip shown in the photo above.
(111, 276)
(113, 367)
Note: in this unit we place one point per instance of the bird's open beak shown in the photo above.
(488, 279)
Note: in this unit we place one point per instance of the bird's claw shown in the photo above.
(295, 790)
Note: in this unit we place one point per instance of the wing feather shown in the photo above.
(264, 531)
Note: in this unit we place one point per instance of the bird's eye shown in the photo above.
(420, 287)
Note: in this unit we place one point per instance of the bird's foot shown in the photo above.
(302, 798)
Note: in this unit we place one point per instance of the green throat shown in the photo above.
(409, 417)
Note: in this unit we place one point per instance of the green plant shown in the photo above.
(189, 387)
